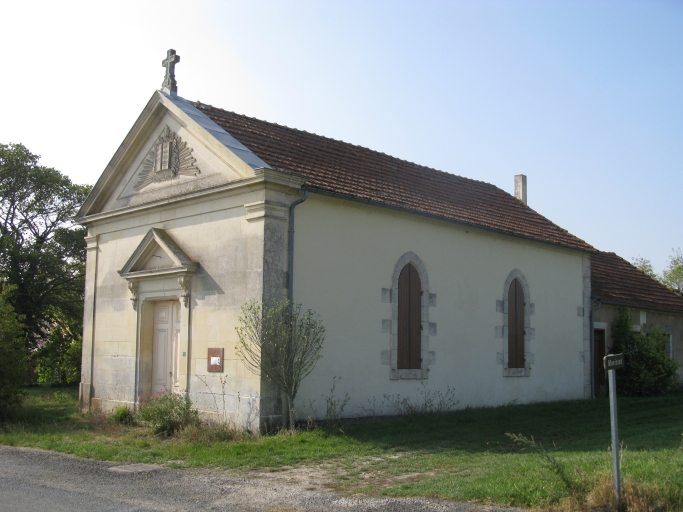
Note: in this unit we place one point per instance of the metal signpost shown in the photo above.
(611, 363)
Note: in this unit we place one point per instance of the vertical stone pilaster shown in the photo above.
(273, 260)
(184, 365)
(274, 248)
(85, 391)
(271, 217)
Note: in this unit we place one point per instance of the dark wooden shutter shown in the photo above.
(516, 325)
(409, 318)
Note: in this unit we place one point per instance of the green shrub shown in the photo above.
(123, 415)
(13, 357)
(167, 413)
(648, 371)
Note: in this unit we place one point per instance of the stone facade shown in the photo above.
(219, 242)
(239, 258)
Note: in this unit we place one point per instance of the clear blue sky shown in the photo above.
(585, 98)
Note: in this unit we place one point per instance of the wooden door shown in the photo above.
(164, 346)
(409, 319)
(516, 325)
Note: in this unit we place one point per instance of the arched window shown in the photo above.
(409, 318)
(409, 327)
(515, 324)
(516, 332)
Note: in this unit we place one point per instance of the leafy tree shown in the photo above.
(281, 342)
(59, 359)
(648, 371)
(672, 276)
(12, 355)
(645, 266)
(43, 251)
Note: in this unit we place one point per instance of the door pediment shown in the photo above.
(158, 256)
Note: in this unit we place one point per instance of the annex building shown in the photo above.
(615, 284)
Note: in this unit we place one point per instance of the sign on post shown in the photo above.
(611, 363)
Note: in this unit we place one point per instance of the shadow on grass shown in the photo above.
(579, 425)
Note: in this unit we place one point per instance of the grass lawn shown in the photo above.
(463, 455)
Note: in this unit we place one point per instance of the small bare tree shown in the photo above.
(281, 342)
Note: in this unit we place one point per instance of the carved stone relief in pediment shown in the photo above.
(169, 157)
(168, 160)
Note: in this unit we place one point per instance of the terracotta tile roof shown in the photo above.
(616, 281)
(342, 168)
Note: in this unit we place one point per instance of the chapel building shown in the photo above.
(421, 277)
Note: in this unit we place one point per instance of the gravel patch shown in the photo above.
(36, 481)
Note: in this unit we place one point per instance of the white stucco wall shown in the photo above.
(345, 255)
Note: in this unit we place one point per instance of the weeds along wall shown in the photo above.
(344, 262)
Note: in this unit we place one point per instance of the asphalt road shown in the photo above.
(41, 481)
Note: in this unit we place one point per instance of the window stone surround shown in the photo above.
(502, 330)
(390, 326)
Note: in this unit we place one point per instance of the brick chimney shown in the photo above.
(520, 187)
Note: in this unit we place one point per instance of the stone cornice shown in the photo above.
(279, 177)
(262, 209)
(158, 272)
(266, 179)
(91, 242)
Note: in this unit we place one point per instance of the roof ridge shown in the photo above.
(199, 104)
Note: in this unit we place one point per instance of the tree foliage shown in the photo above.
(43, 251)
(645, 266)
(12, 355)
(59, 359)
(281, 342)
(672, 276)
(648, 371)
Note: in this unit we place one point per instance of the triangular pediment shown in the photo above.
(157, 254)
(172, 150)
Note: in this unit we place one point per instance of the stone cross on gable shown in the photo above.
(170, 86)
